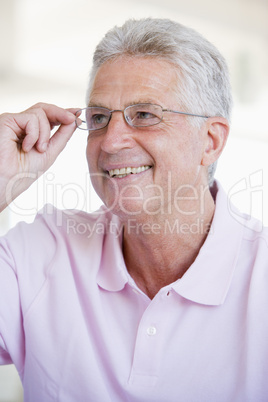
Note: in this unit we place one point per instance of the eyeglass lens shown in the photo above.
(140, 115)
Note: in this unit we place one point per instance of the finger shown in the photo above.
(56, 115)
(59, 140)
(49, 116)
(37, 132)
(26, 128)
(77, 113)
(73, 110)
(44, 131)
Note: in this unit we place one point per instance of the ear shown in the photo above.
(217, 130)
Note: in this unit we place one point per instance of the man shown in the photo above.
(163, 295)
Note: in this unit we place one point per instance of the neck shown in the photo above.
(158, 250)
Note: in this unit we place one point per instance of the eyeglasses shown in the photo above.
(140, 115)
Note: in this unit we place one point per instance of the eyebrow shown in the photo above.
(93, 104)
(136, 102)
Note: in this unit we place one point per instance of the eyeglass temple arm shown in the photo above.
(187, 114)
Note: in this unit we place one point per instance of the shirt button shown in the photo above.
(151, 331)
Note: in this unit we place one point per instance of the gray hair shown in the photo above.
(203, 77)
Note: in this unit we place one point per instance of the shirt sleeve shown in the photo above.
(25, 255)
(33, 257)
(11, 326)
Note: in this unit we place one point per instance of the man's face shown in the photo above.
(168, 154)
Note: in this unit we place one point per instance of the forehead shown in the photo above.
(129, 80)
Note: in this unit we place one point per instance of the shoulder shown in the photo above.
(55, 229)
(57, 244)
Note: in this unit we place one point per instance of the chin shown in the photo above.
(125, 210)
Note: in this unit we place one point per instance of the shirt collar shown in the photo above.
(208, 279)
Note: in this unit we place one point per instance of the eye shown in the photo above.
(141, 116)
(98, 120)
(144, 115)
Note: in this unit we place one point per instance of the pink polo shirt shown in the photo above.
(78, 328)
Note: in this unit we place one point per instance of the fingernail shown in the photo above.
(78, 122)
(43, 147)
(71, 115)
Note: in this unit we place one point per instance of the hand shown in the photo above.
(26, 148)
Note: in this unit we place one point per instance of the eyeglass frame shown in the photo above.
(128, 123)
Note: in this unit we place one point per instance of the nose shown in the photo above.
(118, 134)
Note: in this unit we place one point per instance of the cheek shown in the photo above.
(180, 158)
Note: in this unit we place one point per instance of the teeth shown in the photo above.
(128, 170)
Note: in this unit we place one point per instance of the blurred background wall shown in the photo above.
(46, 50)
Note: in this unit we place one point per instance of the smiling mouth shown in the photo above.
(123, 172)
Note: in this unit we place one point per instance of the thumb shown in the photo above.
(59, 140)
